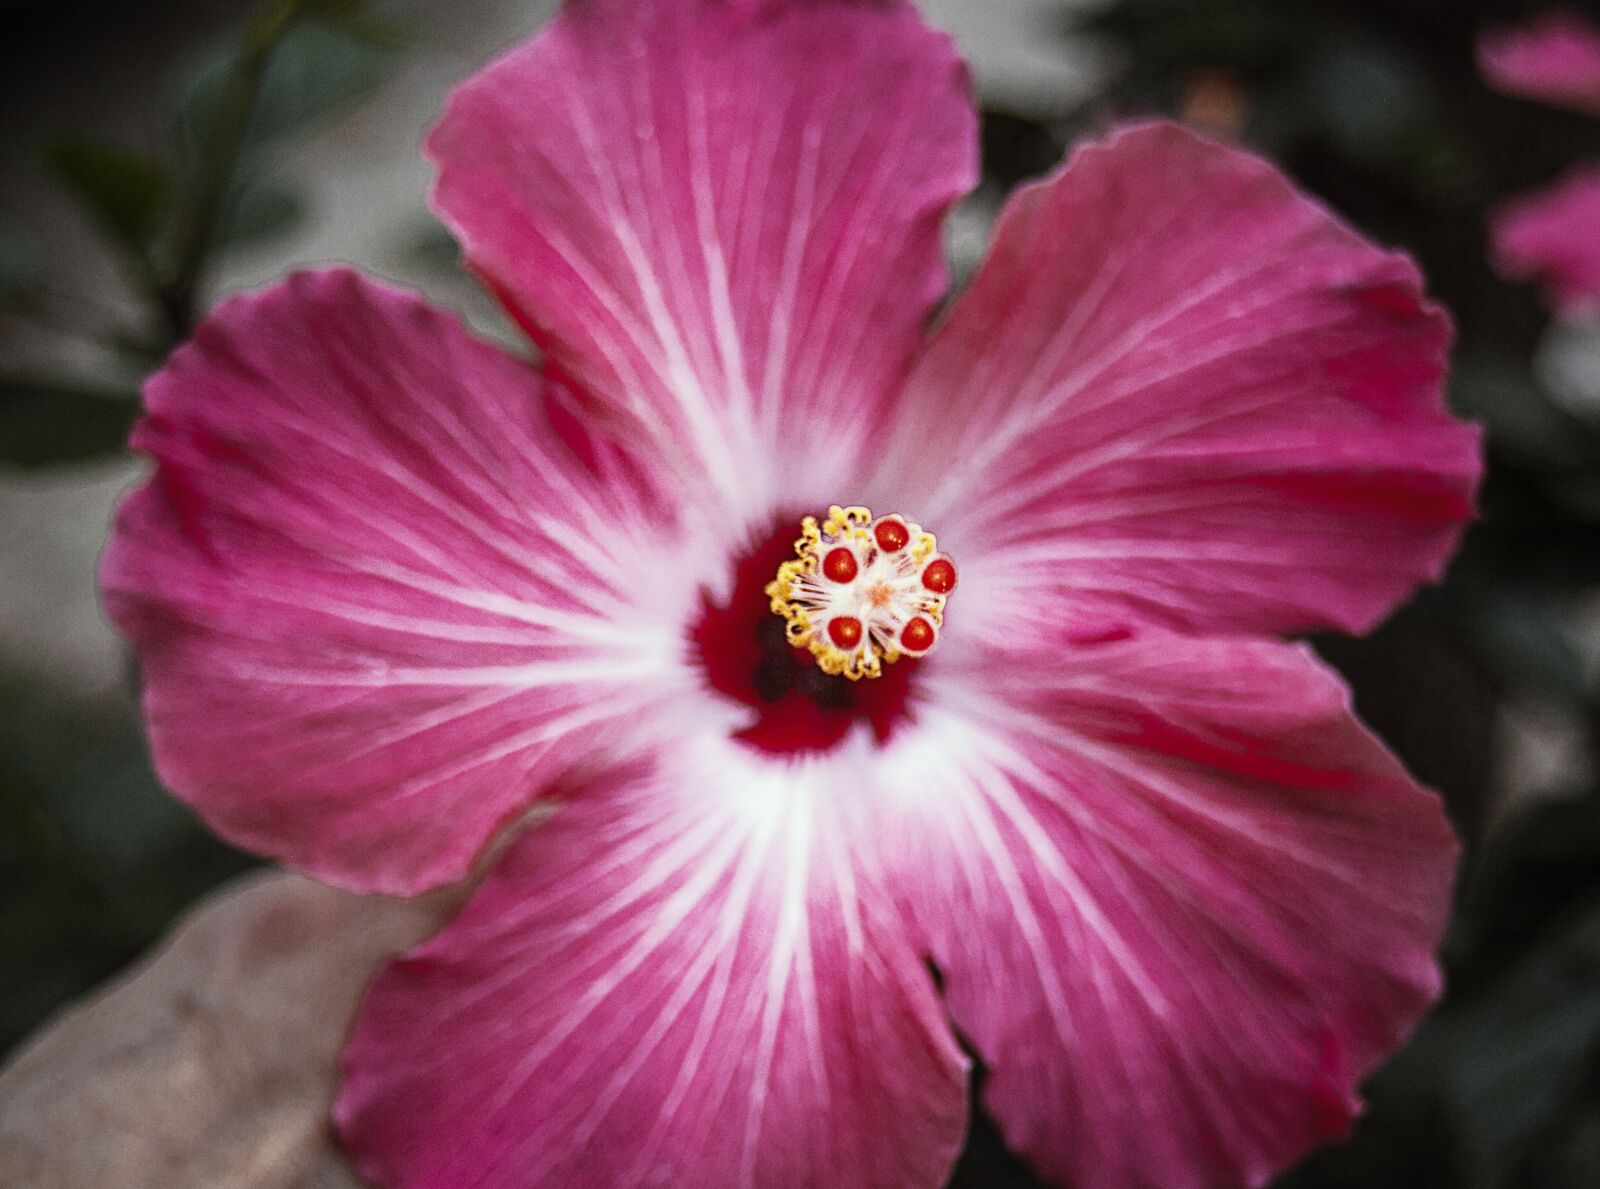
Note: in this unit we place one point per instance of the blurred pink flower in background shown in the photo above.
(1555, 59)
(390, 586)
(1551, 236)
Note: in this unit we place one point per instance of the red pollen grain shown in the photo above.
(845, 631)
(891, 536)
(940, 576)
(839, 566)
(916, 636)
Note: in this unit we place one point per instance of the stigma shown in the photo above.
(861, 592)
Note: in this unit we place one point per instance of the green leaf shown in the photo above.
(19, 271)
(335, 11)
(1540, 866)
(315, 71)
(431, 246)
(354, 18)
(1523, 1052)
(47, 424)
(95, 859)
(128, 193)
(262, 211)
(1525, 635)
(1373, 99)
(1521, 421)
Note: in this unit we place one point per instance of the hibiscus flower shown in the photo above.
(391, 587)
(1554, 59)
(1552, 235)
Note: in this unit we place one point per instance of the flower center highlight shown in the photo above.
(746, 656)
(861, 592)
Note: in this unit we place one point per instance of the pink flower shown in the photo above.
(1555, 59)
(1552, 235)
(392, 587)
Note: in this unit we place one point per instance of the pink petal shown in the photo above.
(1555, 59)
(721, 220)
(1179, 391)
(681, 979)
(1553, 237)
(371, 593)
(1181, 899)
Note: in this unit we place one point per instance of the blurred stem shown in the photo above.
(219, 163)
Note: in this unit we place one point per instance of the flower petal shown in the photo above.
(720, 218)
(680, 979)
(1181, 900)
(1555, 59)
(374, 597)
(1553, 236)
(1179, 391)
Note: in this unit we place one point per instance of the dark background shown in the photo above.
(1488, 687)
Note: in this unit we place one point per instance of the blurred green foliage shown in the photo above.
(1377, 106)
(95, 859)
(171, 215)
(129, 194)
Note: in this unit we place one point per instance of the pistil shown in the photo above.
(861, 592)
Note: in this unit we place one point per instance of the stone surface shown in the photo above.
(212, 1063)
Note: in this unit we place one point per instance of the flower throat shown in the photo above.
(858, 602)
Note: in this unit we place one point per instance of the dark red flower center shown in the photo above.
(746, 656)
